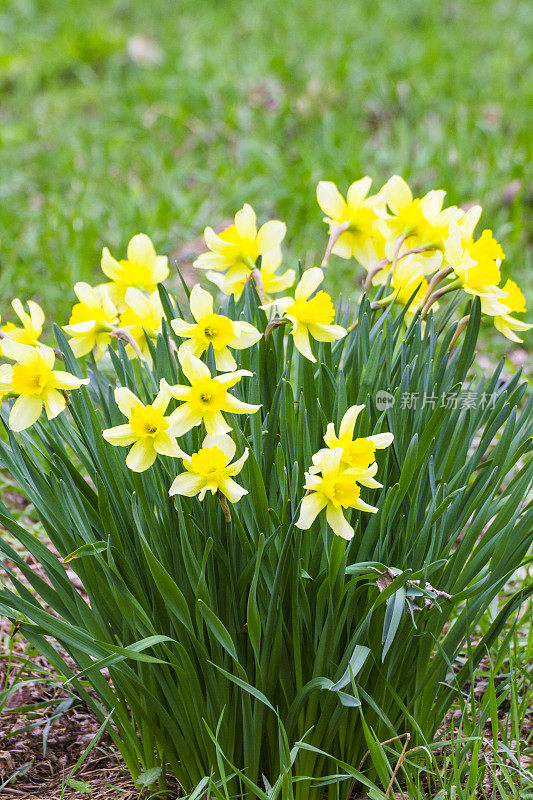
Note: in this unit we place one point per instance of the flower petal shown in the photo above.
(301, 342)
(245, 222)
(223, 442)
(311, 507)
(182, 328)
(330, 199)
(64, 380)
(141, 250)
(215, 424)
(127, 401)
(193, 369)
(358, 191)
(338, 523)
(381, 440)
(110, 266)
(326, 333)
(120, 435)
(186, 484)
(270, 235)
(166, 445)
(397, 193)
(141, 456)
(54, 403)
(26, 410)
(182, 420)
(235, 406)
(224, 361)
(201, 302)
(245, 335)
(309, 283)
(232, 490)
(348, 421)
(235, 468)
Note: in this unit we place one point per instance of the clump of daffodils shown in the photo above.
(414, 250)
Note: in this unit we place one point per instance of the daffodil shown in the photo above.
(141, 318)
(32, 323)
(310, 316)
(358, 453)
(241, 244)
(407, 279)
(363, 239)
(515, 302)
(422, 221)
(234, 280)
(36, 383)
(148, 430)
(477, 267)
(143, 268)
(210, 470)
(92, 320)
(335, 489)
(206, 398)
(213, 329)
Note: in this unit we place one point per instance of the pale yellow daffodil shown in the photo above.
(92, 320)
(143, 268)
(241, 244)
(213, 329)
(515, 302)
(477, 267)
(363, 239)
(32, 323)
(358, 453)
(35, 381)
(422, 221)
(310, 316)
(148, 430)
(210, 470)
(335, 489)
(234, 280)
(206, 398)
(141, 318)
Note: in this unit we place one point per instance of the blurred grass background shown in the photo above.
(120, 116)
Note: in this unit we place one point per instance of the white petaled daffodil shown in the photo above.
(92, 320)
(32, 323)
(210, 470)
(143, 268)
(36, 383)
(358, 453)
(310, 316)
(215, 329)
(148, 430)
(206, 398)
(363, 239)
(335, 489)
(141, 318)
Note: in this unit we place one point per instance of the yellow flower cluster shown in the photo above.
(338, 471)
(127, 306)
(402, 240)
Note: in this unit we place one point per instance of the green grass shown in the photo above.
(250, 101)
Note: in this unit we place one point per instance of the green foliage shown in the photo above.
(248, 648)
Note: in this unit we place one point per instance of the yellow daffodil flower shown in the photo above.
(363, 239)
(334, 489)
(210, 470)
(241, 244)
(477, 266)
(32, 323)
(36, 383)
(515, 302)
(206, 398)
(234, 280)
(359, 453)
(92, 320)
(142, 317)
(422, 221)
(215, 329)
(147, 429)
(310, 316)
(143, 268)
